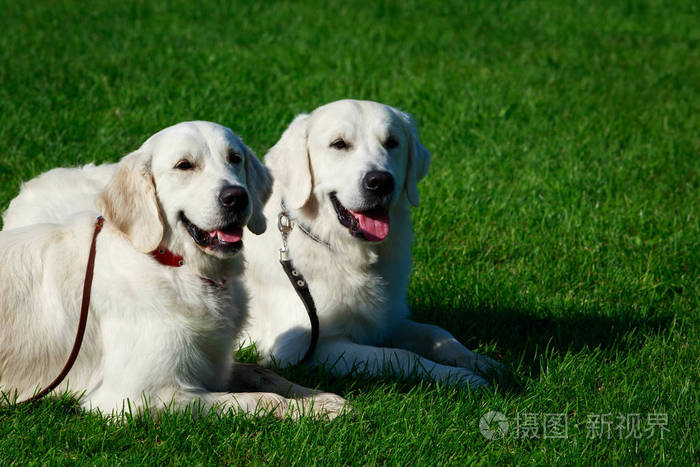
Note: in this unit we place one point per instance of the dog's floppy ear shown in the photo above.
(418, 159)
(259, 184)
(290, 165)
(129, 202)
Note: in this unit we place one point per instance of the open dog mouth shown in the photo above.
(228, 239)
(371, 225)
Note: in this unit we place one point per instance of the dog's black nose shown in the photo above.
(233, 197)
(378, 182)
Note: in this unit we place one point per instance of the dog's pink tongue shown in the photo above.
(374, 224)
(231, 236)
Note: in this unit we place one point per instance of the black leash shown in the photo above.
(285, 225)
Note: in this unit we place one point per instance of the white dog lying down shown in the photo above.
(346, 174)
(157, 333)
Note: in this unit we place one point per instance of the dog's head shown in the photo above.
(354, 158)
(191, 187)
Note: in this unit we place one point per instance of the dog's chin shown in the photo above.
(371, 225)
(223, 242)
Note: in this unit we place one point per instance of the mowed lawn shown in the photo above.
(559, 226)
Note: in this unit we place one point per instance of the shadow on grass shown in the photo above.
(515, 330)
(514, 336)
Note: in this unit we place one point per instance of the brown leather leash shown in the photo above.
(82, 323)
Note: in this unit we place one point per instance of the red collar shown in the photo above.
(168, 258)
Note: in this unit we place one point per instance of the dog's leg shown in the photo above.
(250, 403)
(250, 377)
(261, 403)
(242, 403)
(435, 343)
(199, 403)
(345, 358)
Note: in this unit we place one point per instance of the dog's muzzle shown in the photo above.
(371, 224)
(227, 239)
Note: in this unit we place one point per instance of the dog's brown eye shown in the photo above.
(340, 144)
(184, 164)
(234, 157)
(391, 142)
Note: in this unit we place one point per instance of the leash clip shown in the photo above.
(285, 225)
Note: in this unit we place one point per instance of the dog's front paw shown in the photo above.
(334, 405)
(325, 405)
(466, 379)
(481, 364)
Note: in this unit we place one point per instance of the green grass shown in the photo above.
(559, 228)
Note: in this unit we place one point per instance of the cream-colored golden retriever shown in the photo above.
(346, 175)
(160, 332)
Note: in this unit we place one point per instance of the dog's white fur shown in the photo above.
(156, 335)
(359, 287)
